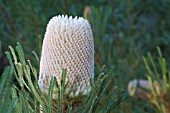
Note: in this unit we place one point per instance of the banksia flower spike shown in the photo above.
(68, 44)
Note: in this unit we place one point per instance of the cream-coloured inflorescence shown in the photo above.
(68, 44)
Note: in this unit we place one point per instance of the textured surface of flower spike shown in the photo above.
(68, 44)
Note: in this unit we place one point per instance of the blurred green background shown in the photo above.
(123, 30)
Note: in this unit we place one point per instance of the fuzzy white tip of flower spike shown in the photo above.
(68, 44)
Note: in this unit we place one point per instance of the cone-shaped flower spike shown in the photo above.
(68, 44)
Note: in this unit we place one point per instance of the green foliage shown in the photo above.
(0, 49)
(159, 78)
(28, 98)
(6, 103)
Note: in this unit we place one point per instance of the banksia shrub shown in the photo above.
(66, 79)
(68, 44)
